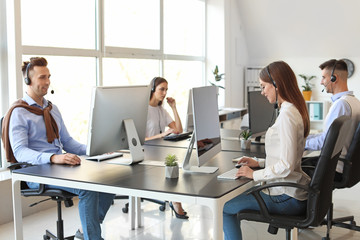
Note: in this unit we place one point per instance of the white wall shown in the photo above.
(236, 57)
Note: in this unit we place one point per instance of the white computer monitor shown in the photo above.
(262, 115)
(206, 135)
(118, 120)
(189, 123)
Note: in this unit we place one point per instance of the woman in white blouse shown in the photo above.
(158, 118)
(284, 146)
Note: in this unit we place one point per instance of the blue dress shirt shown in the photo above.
(27, 134)
(339, 108)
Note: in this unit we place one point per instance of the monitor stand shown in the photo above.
(196, 169)
(257, 141)
(136, 150)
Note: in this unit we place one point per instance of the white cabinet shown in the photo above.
(317, 113)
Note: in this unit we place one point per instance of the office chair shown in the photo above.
(319, 190)
(53, 194)
(350, 177)
(125, 209)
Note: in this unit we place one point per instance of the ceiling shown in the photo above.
(301, 28)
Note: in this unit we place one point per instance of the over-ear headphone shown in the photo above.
(333, 77)
(273, 82)
(27, 78)
(153, 84)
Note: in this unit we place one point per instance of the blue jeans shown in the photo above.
(281, 204)
(92, 209)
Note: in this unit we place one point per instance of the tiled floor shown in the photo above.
(162, 225)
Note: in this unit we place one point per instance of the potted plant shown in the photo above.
(171, 166)
(217, 77)
(245, 139)
(307, 87)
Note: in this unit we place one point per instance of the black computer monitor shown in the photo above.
(118, 120)
(262, 114)
(206, 134)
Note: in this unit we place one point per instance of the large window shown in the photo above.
(112, 42)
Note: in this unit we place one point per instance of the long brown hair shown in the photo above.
(288, 88)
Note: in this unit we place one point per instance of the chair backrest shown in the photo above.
(323, 178)
(351, 173)
(1, 121)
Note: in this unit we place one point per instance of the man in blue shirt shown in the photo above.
(334, 79)
(32, 140)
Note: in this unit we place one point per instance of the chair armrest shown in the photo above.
(19, 165)
(255, 191)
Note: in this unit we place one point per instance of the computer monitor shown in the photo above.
(262, 114)
(206, 134)
(118, 120)
(189, 123)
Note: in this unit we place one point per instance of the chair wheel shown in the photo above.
(46, 237)
(125, 210)
(162, 208)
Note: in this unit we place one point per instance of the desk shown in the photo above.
(226, 145)
(139, 181)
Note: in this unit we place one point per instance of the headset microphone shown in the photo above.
(274, 84)
(326, 86)
(52, 91)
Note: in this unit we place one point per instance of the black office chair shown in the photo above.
(53, 194)
(125, 209)
(319, 190)
(350, 177)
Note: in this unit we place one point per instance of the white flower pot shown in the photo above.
(172, 172)
(245, 144)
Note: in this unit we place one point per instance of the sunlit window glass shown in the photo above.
(184, 27)
(120, 71)
(132, 23)
(182, 76)
(65, 23)
(72, 79)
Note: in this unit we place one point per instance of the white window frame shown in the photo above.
(12, 83)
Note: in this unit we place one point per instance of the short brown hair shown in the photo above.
(330, 64)
(34, 61)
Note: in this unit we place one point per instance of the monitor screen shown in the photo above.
(110, 106)
(262, 114)
(206, 134)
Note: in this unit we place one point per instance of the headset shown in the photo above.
(27, 78)
(333, 77)
(274, 83)
(153, 84)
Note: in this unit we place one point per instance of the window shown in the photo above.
(66, 23)
(112, 42)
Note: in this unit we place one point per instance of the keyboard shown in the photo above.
(177, 137)
(229, 174)
(105, 156)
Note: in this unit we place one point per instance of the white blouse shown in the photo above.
(284, 147)
(157, 119)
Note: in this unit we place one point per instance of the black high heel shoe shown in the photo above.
(181, 216)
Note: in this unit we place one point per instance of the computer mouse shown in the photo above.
(238, 165)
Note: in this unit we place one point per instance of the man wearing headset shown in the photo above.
(334, 79)
(37, 135)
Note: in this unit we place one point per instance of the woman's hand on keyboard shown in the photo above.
(248, 161)
(245, 171)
